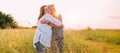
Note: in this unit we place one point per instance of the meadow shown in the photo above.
(75, 41)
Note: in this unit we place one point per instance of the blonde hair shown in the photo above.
(53, 10)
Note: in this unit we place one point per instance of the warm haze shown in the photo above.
(76, 13)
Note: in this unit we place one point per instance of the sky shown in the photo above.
(76, 14)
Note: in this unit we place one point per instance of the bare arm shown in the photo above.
(44, 21)
(53, 25)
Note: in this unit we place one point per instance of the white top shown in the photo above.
(44, 32)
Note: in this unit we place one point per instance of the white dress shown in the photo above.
(44, 32)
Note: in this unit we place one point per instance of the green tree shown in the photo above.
(7, 21)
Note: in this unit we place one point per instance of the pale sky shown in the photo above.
(77, 14)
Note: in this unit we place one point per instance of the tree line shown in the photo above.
(7, 21)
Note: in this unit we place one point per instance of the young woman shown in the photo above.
(42, 39)
(57, 33)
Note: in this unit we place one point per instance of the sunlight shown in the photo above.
(75, 13)
(71, 20)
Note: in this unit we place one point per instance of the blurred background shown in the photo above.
(77, 14)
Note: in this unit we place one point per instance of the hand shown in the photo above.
(44, 21)
(62, 26)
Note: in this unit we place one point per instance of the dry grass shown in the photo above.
(76, 41)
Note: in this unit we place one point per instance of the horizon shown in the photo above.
(77, 14)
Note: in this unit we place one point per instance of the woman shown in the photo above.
(42, 39)
(57, 33)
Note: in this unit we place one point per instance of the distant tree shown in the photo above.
(7, 21)
(34, 26)
(88, 28)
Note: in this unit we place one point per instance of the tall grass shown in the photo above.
(16, 41)
(106, 36)
(75, 41)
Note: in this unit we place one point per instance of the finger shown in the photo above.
(42, 21)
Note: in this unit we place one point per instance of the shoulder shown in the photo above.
(59, 17)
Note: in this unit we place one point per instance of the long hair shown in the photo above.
(53, 10)
(42, 12)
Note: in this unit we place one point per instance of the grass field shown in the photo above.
(75, 41)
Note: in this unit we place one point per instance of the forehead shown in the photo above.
(46, 7)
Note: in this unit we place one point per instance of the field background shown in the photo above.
(75, 41)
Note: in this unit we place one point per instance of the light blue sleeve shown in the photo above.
(52, 19)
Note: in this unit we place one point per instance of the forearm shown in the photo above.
(53, 25)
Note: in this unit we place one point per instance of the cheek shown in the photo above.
(45, 11)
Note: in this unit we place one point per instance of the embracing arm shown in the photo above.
(59, 17)
(49, 23)
(54, 24)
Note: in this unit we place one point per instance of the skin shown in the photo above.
(47, 10)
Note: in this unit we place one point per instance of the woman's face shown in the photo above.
(52, 8)
(46, 9)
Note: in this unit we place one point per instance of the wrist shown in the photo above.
(48, 23)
